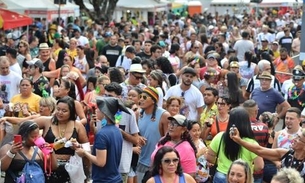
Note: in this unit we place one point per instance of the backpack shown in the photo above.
(31, 172)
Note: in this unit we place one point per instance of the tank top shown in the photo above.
(158, 179)
(46, 65)
(150, 130)
(284, 139)
(50, 138)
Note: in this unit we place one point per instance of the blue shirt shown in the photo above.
(108, 138)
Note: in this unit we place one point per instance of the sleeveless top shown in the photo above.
(284, 139)
(46, 65)
(158, 179)
(50, 138)
(150, 130)
(16, 167)
(289, 161)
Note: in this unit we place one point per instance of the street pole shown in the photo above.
(302, 51)
(58, 20)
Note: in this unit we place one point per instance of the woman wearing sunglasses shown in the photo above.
(167, 168)
(179, 138)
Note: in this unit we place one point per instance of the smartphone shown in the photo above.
(17, 139)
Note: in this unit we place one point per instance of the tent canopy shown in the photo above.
(145, 4)
(10, 20)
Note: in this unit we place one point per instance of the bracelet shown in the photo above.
(10, 154)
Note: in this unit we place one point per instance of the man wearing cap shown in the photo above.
(81, 40)
(12, 57)
(9, 43)
(112, 51)
(153, 124)
(193, 99)
(41, 83)
(295, 94)
(126, 60)
(263, 65)
(211, 62)
(136, 74)
(264, 48)
(267, 98)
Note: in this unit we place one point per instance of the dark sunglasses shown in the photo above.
(169, 161)
(144, 97)
(137, 77)
(221, 103)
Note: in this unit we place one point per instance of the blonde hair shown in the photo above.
(288, 175)
(249, 177)
(26, 45)
(48, 101)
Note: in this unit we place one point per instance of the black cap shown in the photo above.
(189, 70)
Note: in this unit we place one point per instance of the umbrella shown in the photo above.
(10, 19)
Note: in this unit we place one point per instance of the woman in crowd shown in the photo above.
(234, 67)
(167, 168)
(64, 70)
(165, 66)
(195, 63)
(290, 158)
(202, 171)
(24, 50)
(12, 161)
(248, 68)
(179, 138)
(228, 150)
(173, 105)
(99, 90)
(240, 172)
(26, 103)
(67, 88)
(209, 78)
(217, 122)
(234, 92)
(287, 175)
(59, 127)
(107, 148)
(155, 80)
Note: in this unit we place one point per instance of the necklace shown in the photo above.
(61, 132)
(223, 119)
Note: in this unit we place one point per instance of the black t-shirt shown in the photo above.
(112, 53)
(143, 55)
(3, 50)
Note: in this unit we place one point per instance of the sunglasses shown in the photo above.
(137, 77)
(144, 97)
(182, 94)
(169, 161)
(221, 103)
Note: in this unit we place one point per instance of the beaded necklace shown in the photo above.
(293, 94)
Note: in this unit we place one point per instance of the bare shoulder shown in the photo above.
(188, 178)
(151, 180)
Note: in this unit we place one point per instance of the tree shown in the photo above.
(103, 9)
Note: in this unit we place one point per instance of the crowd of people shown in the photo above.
(192, 99)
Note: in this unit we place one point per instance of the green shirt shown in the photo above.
(223, 162)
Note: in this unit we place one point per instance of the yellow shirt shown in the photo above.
(73, 53)
(205, 115)
(56, 52)
(276, 54)
(32, 102)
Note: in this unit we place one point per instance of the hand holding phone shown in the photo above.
(232, 130)
(17, 139)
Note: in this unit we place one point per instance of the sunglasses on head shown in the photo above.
(169, 161)
(144, 97)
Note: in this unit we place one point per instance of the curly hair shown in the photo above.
(288, 175)
(115, 75)
(164, 65)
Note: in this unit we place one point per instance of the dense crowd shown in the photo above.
(189, 99)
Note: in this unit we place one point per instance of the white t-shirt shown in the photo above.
(125, 62)
(160, 93)
(82, 41)
(242, 46)
(16, 68)
(193, 99)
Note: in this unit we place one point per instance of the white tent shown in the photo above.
(280, 3)
(145, 4)
(12, 6)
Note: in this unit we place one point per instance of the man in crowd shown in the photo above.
(112, 51)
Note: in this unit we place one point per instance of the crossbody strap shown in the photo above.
(33, 157)
(217, 125)
(218, 149)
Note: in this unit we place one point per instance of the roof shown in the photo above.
(133, 4)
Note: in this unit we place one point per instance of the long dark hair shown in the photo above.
(164, 65)
(69, 85)
(233, 86)
(184, 137)
(155, 169)
(71, 104)
(240, 118)
(248, 57)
